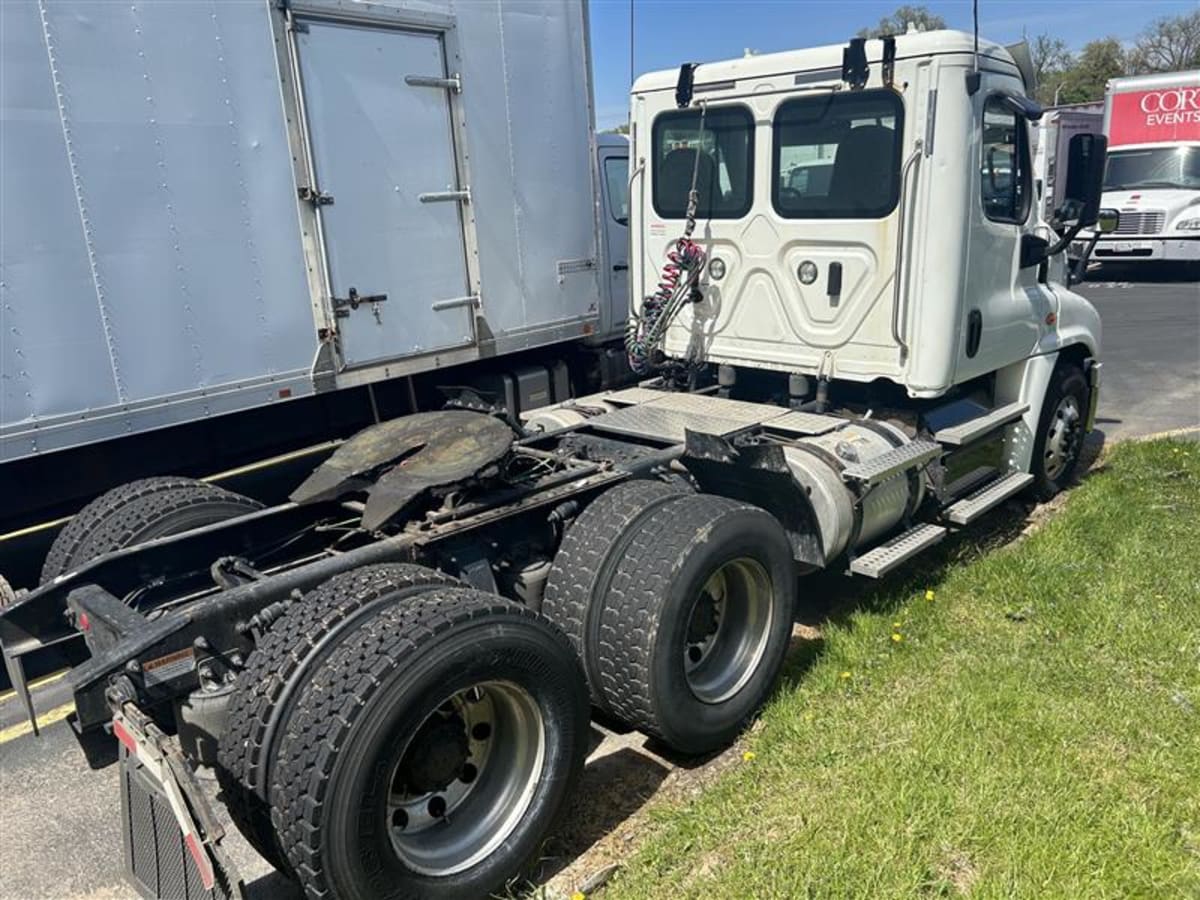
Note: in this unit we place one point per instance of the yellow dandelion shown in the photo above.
(845, 674)
(929, 595)
(897, 637)
(748, 756)
(579, 895)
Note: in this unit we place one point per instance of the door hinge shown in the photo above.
(453, 83)
(463, 196)
(314, 196)
(455, 302)
(343, 305)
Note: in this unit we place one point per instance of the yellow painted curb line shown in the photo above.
(47, 718)
(37, 682)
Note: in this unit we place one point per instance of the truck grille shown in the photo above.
(1141, 221)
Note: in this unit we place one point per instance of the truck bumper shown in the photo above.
(1142, 249)
(1092, 367)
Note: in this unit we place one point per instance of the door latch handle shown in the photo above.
(342, 306)
(621, 267)
(315, 197)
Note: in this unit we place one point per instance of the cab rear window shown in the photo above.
(720, 155)
(837, 156)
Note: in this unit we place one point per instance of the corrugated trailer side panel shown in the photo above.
(528, 118)
(158, 157)
(53, 355)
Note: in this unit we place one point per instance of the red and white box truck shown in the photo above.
(1153, 171)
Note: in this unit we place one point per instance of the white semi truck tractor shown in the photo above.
(855, 337)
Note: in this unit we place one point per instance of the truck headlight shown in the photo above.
(1192, 224)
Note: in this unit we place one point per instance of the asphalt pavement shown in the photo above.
(60, 834)
(1151, 352)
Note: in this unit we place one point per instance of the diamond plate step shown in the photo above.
(878, 562)
(969, 482)
(972, 429)
(884, 466)
(975, 504)
(806, 423)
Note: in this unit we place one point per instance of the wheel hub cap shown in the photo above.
(436, 757)
(1062, 437)
(728, 629)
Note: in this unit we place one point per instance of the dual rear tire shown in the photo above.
(681, 608)
(398, 735)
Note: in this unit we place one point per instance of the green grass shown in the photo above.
(1034, 733)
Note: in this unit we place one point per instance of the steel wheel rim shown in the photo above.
(1062, 437)
(443, 831)
(728, 628)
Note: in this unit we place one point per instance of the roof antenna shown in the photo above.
(973, 77)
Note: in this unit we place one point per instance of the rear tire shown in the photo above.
(276, 673)
(140, 511)
(587, 557)
(696, 621)
(373, 796)
(1059, 442)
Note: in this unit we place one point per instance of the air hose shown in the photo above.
(678, 283)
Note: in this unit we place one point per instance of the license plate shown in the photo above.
(1124, 246)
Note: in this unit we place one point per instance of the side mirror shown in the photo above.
(1107, 221)
(1085, 178)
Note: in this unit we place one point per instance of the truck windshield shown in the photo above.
(1154, 167)
(838, 156)
(719, 157)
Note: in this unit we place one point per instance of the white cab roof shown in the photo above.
(908, 46)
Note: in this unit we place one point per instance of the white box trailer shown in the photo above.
(1051, 140)
(212, 207)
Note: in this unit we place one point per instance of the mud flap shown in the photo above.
(169, 831)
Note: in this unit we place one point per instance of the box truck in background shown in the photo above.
(224, 226)
(1153, 171)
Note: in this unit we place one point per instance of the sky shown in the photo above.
(670, 32)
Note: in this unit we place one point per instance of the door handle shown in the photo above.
(621, 267)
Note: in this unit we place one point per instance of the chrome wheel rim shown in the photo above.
(728, 628)
(1062, 437)
(465, 778)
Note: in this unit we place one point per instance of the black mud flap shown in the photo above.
(164, 860)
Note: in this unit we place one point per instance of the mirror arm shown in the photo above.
(1065, 240)
(1076, 273)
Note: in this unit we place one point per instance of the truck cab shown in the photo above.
(855, 234)
(881, 229)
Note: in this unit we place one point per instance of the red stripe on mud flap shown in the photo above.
(202, 862)
(125, 737)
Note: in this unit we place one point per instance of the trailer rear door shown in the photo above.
(378, 144)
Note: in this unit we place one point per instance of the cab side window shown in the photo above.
(1006, 179)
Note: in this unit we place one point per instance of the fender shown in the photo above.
(1025, 381)
(1077, 322)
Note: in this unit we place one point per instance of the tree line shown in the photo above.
(1169, 44)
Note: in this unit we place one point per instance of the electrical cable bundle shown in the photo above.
(679, 283)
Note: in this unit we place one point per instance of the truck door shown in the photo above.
(614, 178)
(386, 188)
(1004, 305)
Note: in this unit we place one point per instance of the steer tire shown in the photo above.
(1053, 470)
(587, 557)
(716, 565)
(405, 681)
(137, 512)
(274, 676)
